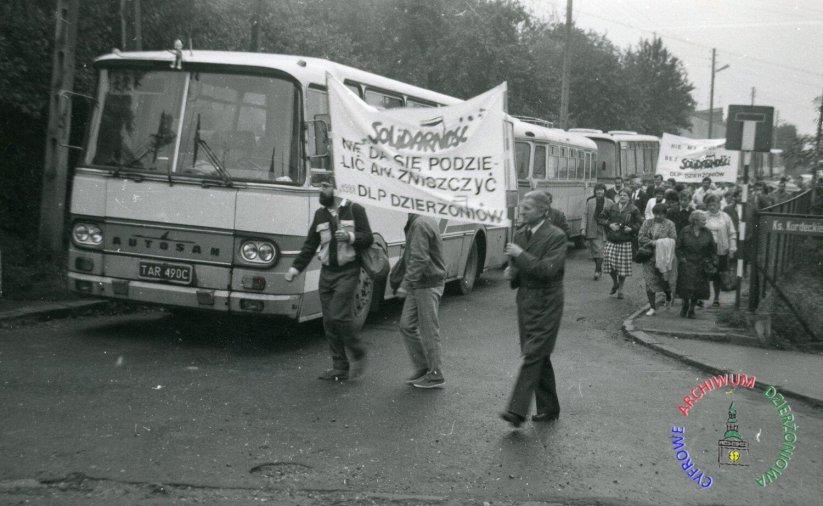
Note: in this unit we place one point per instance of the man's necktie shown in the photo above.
(528, 234)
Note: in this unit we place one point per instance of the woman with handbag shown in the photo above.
(722, 228)
(696, 255)
(622, 221)
(659, 265)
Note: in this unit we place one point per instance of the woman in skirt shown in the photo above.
(695, 249)
(622, 221)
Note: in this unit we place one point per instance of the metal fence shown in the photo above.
(779, 235)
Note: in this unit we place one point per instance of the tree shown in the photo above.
(660, 93)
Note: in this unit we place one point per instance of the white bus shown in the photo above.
(623, 153)
(560, 162)
(199, 182)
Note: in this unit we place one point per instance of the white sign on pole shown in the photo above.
(445, 162)
(690, 160)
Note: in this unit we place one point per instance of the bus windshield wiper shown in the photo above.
(215, 161)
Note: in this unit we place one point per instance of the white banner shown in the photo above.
(690, 160)
(445, 162)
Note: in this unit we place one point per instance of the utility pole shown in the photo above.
(123, 27)
(138, 29)
(754, 92)
(564, 87)
(55, 169)
(711, 90)
(255, 28)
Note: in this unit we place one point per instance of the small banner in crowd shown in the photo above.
(690, 160)
(444, 162)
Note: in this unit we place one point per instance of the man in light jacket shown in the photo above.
(422, 285)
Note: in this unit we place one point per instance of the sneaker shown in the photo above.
(650, 312)
(596, 276)
(334, 375)
(418, 375)
(613, 290)
(716, 304)
(433, 379)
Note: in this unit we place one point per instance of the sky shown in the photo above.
(773, 46)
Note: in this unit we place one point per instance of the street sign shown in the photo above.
(749, 128)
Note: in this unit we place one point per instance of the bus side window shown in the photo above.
(554, 163)
(564, 164)
(539, 170)
(383, 100)
(573, 164)
(413, 102)
(522, 152)
(318, 130)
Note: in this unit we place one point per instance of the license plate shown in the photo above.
(172, 273)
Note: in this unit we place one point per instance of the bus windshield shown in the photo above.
(234, 127)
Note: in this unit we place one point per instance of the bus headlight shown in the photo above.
(87, 234)
(259, 252)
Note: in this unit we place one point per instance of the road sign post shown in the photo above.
(749, 129)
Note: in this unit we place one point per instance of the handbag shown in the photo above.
(728, 281)
(375, 258)
(643, 254)
(710, 267)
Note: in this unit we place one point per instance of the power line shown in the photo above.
(788, 67)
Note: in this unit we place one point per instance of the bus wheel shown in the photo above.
(471, 271)
(362, 300)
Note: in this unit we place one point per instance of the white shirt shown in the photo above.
(534, 228)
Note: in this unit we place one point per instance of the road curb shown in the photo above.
(640, 336)
(51, 310)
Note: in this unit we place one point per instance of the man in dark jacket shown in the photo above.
(341, 230)
(423, 286)
(611, 193)
(556, 216)
(536, 262)
(680, 214)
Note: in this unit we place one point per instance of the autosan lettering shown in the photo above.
(162, 244)
(788, 441)
(681, 454)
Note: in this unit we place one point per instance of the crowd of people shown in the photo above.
(684, 236)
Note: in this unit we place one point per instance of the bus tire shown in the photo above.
(471, 272)
(362, 300)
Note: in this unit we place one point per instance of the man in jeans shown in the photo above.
(341, 230)
(423, 286)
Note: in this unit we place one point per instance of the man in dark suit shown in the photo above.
(639, 197)
(556, 216)
(536, 261)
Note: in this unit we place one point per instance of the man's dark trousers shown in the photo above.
(337, 288)
(538, 317)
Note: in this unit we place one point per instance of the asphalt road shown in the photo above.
(148, 407)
